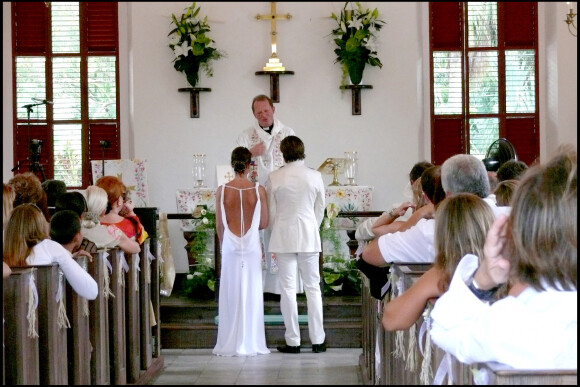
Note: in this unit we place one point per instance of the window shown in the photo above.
(484, 78)
(66, 66)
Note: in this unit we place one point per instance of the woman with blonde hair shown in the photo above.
(8, 196)
(461, 224)
(27, 242)
(101, 235)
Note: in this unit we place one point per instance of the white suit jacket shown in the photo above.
(296, 205)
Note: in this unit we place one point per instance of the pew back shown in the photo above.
(21, 350)
(499, 374)
(78, 340)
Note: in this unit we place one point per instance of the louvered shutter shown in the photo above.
(22, 153)
(102, 132)
(101, 27)
(523, 134)
(30, 28)
(446, 139)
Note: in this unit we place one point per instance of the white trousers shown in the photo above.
(306, 265)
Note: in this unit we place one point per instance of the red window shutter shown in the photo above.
(22, 153)
(104, 132)
(519, 23)
(29, 26)
(102, 26)
(446, 21)
(447, 139)
(523, 134)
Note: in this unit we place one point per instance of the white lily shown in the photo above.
(181, 50)
(175, 39)
(355, 23)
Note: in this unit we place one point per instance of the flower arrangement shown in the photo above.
(339, 273)
(355, 36)
(200, 282)
(192, 48)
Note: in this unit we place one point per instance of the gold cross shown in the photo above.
(274, 63)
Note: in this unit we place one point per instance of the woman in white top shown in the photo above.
(27, 242)
(535, 252)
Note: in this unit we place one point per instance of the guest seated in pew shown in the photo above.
(535, 250)
(6, 271)
(511, 169)
(28, 189)
(459, 173)
(27, 242)
(120, 209)
(53, 189)
(504, 191)
(74, 201)
(461, 224)
(371, 227)
(432, 193)
(97, 235)
(7, 203)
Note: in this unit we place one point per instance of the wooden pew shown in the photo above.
(133, 325)
(99, 320)
(145, 305)
(415, 343)
(398, 367)
(52, 333)
(117, 329)
(21, 359)
(78, 339)
(372, 337)
(149, 217)
(503, 375)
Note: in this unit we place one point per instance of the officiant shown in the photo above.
(263, 140)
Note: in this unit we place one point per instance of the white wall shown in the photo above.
(391, 134)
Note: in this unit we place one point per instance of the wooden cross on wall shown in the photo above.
(276, 64)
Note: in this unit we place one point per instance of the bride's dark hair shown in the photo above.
(241, 158)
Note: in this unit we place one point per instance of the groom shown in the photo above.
(296, 203)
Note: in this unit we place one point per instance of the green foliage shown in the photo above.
(192, 47)
(340, 276)
(200, 282)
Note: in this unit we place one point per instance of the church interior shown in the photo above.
(173, 141)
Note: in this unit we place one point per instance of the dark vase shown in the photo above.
(355, 72)
(192, 74)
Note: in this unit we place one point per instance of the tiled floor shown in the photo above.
(338, 366)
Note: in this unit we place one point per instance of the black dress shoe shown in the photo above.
(317, 348)
(288, 348)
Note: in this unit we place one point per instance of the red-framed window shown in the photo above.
(66, 94)
(484, 78)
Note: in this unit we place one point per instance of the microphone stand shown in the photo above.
(34, 166)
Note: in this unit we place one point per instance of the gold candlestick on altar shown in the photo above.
(274, 63)
(332, 166)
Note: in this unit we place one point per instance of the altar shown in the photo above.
(346, 198)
